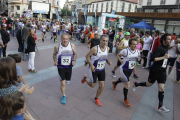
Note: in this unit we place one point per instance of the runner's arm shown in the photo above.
(55, 53)
(121, 45)
(74, 51)
(93, 51)
(88, 35)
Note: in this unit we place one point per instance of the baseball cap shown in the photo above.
(127, 33)
(163, 32)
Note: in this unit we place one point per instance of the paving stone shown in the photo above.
(96, 116)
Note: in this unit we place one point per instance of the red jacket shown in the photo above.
(156, 43)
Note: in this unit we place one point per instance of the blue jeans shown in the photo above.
(150, 62)
(24, 48)
(15, 32)
(1, 51)
(177, 71)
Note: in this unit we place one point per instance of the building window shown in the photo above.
(163, 2)
(101, 7)
(18, 7)
(107, 6)
(111, 6)
(136, 8)
(123, 7)
(93, 8)
(97, 7)
(129, 8)
(177, 1)
(149, 2)
(58, 3)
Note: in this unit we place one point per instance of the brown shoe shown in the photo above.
(29, 70)
(34, 71)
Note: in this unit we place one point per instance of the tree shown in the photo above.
(64, 10)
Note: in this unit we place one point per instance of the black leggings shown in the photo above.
(145, 53)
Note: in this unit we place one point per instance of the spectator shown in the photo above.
(147, 43)
(5, 38)
(132, 33)
(25, 32)
(141, 35)
(173, 36)
(31, 43)
(1, 46)
(9, 77)
(156, 43)
(111, 39)
(17, 58)
(177, 80)
(13, 107)
(173, 52)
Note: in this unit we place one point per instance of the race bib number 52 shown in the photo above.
(132, 64)
(101, 65)
(65, 60)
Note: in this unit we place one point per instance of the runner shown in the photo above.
(96, 59)
(130, 55)
(158, 70)
(43, 29)
(34, 26)
(94, 41)
(64, 58)
(123, 45)
(54, 30)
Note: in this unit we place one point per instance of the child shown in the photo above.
(13, 107)
(17, 58)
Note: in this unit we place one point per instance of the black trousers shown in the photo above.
(110, 45)
(145, 54)
(4, 51)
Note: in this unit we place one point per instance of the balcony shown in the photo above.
(14, 1)
(56, 6)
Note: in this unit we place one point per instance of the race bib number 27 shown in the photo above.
(65, 60)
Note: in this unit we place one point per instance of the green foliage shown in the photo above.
(64, 10)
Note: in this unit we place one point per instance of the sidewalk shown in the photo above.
(44, 103)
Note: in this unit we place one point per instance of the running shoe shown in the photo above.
(142, 67)
(163, 109)
(114, 85)
(51, 38)
(174, 81)
(56, 40)
(135, 76)
(178, 81)
(138, 64)
(84, 79)
(63, 100)
(97, 102)
(134, 86)
(126, 103)
(113, 74)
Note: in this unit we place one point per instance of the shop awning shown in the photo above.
(142, 25)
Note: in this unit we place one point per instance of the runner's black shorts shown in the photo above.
(125, 74)
(159, 75)
(54, 34)
(101, 75)
(65, 73)
(119, 63)
(44, 32)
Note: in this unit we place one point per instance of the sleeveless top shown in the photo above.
(99, 60)
(65, 56)
(92, 35)
(54, 29)
(130, 59)
(43, 28)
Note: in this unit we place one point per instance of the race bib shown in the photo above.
(164, 63)
(54, 30)
(44, 29)
(65, 60)
(132, 64)
(101, 65)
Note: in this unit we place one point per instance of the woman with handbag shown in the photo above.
(31, 43)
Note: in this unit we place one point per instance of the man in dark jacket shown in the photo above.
(25, 32)
(5, 37)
